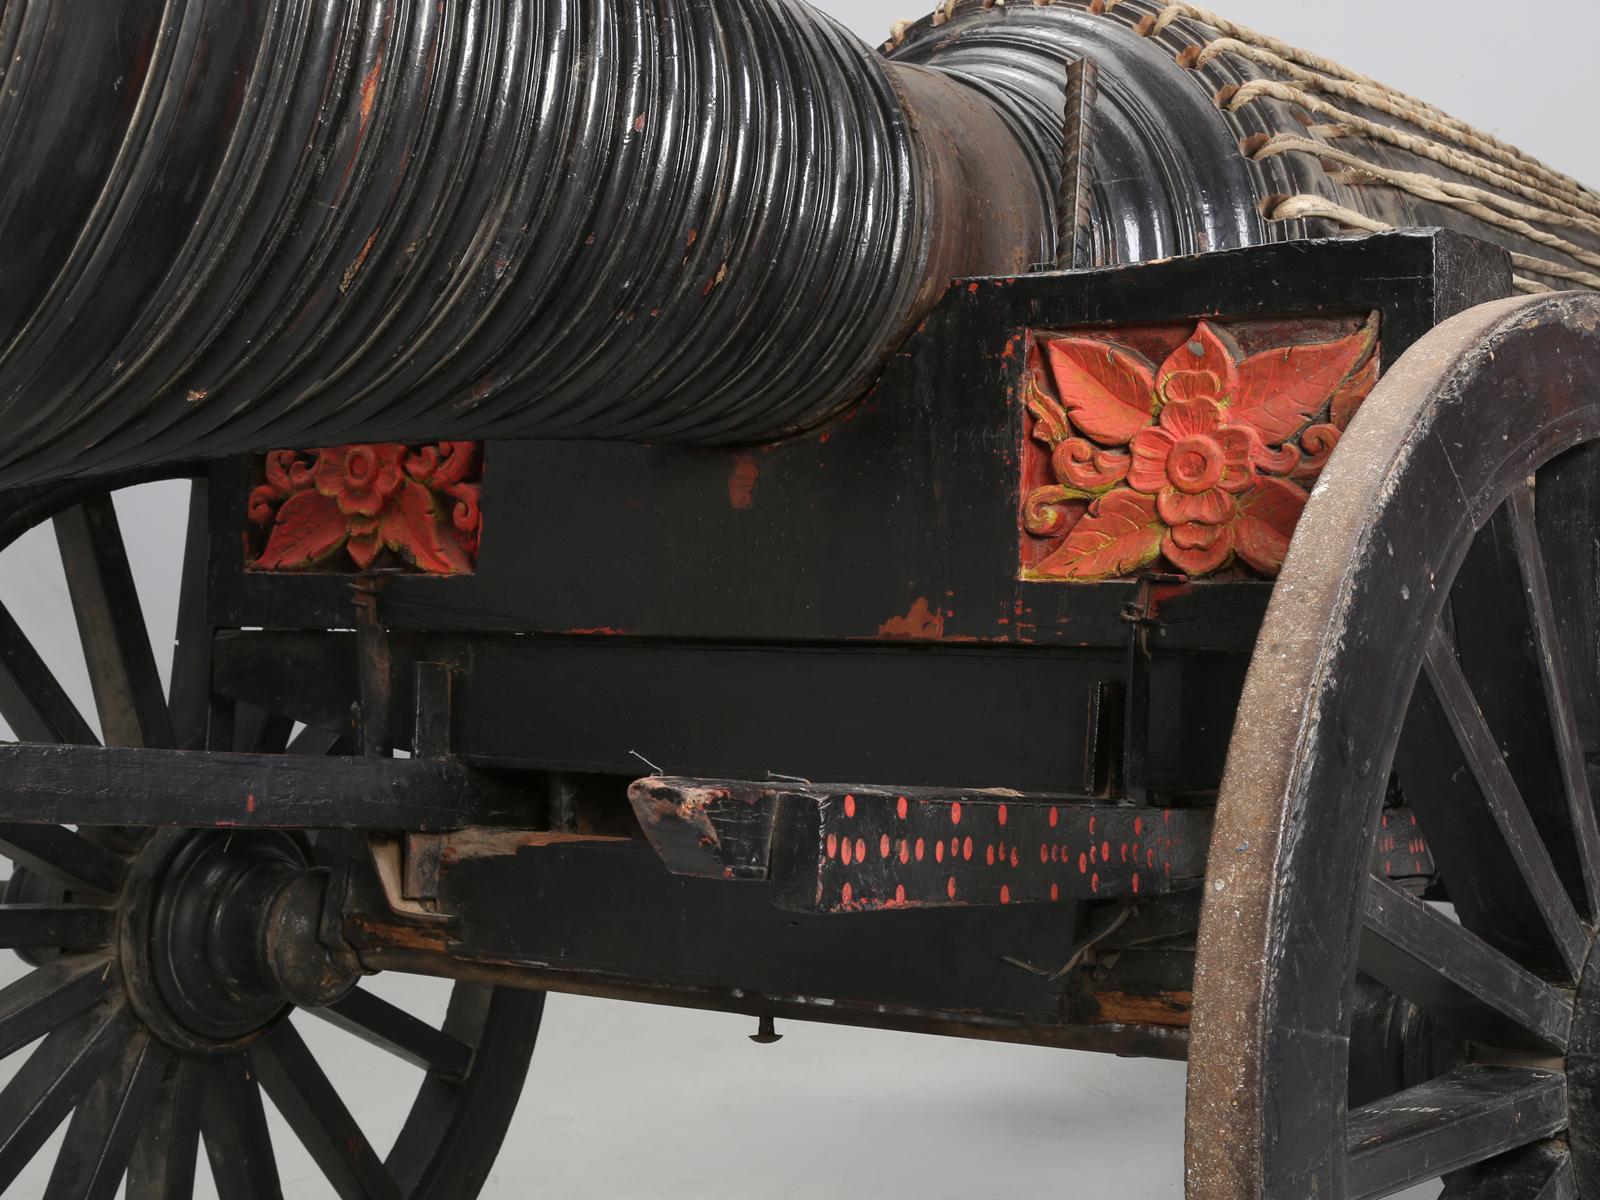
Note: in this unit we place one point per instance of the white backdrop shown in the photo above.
(663, 1105)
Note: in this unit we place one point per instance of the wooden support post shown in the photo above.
(432, 740)
(375, 672)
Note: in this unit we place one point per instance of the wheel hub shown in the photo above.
(221, 935)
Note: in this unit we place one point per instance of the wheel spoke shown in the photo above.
(1412, 948)
(1542, 1172)
(106, 1125)
(116, 641)
(303, 1094)
(54, 1079)
(63, 926)
(190, 693)
(1505, 802)
(235, 1127)
(32, 700)
(163, 1166)
(375, 1020)
(1557, 690)
(49, 996)
(67, 857)
(1449, 1123)
(1568, 497)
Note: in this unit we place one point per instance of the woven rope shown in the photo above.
(1507, 158)
(1486, 206)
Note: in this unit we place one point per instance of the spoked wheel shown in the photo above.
(169, 969)
(1433, 635)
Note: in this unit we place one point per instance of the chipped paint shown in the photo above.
(742, 482)
(1169, 1009)
(369, 92)
(923, 622)
(354, 268)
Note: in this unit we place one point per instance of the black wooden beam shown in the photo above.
(90, 785)
(845, 848)
(1414, 949)
(1563, 713)
(1542, 1172)
(1505, 802)
(1455, 1121)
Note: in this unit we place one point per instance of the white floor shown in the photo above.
(634, 1103)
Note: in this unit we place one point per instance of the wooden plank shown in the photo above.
(104, 786)
(838, 848)
(706, 828)
(1542, 1172)
(977, 849)
(1448, 1123)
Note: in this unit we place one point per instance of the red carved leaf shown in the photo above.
(413, 525)
(1119, 534)
(1049, 418)
(1049, 511)
(366, 541)
(1109, 392)
(1317, 444)
(309, 529)
(1079, 463)
(1280, 390)
(1354, 393)
(1268, 514)
(1204, 368)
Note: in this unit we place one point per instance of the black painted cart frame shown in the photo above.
(620, 561)
(1034, 868)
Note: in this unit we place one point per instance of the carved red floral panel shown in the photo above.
(1182, 448)
(369, 507)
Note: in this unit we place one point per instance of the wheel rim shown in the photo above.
(1354, 675)
(146, 1059)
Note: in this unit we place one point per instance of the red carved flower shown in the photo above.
(1194, 461)
(419, 502)
(360, 478)
(1194, 466)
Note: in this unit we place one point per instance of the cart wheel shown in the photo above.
(1435, 631)
(164, 1010)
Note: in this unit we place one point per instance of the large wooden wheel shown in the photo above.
(162, 1022)
(1432, 639)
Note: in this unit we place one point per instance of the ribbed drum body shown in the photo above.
(231, 225)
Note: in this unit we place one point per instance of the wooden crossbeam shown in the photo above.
(836, 848)
(91, 785)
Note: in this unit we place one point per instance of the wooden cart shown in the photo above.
(1192, 658)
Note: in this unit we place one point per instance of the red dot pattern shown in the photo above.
(1402, 852)
(1019, 852)
(1011, 852)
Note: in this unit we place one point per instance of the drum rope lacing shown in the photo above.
(1530, 194)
